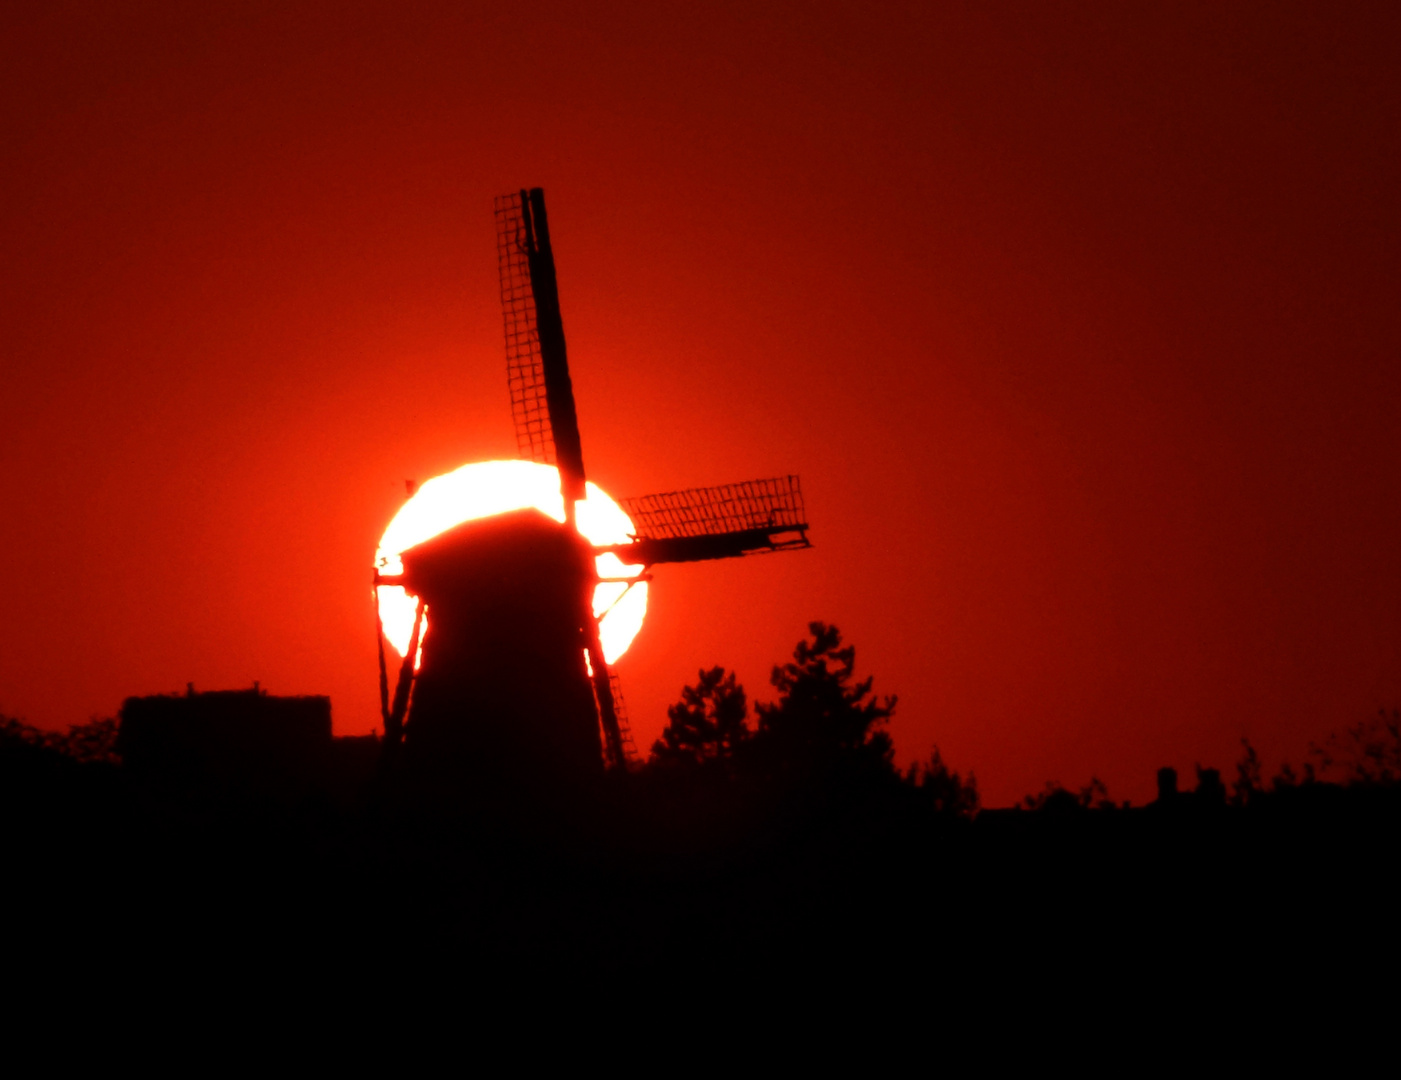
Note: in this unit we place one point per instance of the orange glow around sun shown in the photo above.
(497, 487)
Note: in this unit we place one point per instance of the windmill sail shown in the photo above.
(525, 372)
(717, 522)
(542, 395)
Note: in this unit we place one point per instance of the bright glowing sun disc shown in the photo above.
(497, 487)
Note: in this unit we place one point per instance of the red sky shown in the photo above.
(1080, 324)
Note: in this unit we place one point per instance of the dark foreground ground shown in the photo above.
(652, 874)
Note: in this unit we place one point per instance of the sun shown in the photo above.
(497, 487)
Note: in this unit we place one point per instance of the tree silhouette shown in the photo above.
(1248, 783)
(944, 791)
(93, 742)
(1368, 754)
(824, 716)
(708, 724)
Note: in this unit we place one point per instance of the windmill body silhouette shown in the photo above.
(513, 668)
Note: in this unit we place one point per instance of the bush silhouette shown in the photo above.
(1055, 798)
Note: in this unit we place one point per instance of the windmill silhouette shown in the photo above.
(513, 664)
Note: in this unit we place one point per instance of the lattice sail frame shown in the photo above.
(525, 372)
(774, 505)
(630, 757)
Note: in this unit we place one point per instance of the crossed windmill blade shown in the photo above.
(750, 517)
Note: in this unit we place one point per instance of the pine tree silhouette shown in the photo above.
(708, 724)
(824, 716)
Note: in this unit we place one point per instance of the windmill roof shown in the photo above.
(514, 545)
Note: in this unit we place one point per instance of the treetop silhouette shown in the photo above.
(824, 713)
(824, 717)
(708, 724)
(944, 790)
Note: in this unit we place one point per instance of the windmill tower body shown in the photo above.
(502, 683)
(513, 675)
